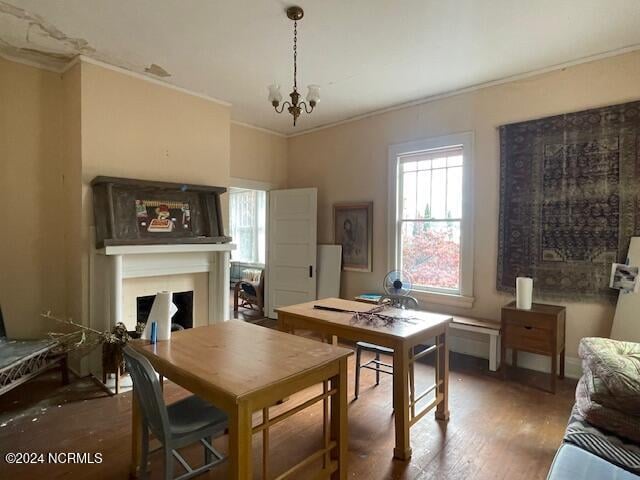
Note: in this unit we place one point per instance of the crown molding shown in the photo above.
(260, 129)
(140, 76)
(473, 88)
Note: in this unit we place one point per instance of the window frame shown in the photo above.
(463, 297)
(233, 189)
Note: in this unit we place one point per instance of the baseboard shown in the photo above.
(479, 348)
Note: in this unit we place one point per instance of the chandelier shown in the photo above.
(295, 106)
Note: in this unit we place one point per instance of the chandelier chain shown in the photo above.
(295, 55)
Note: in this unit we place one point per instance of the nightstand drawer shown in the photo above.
(525, 318)
(521, 337)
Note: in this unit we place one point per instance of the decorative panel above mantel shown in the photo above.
(141, 212)
(569, 189)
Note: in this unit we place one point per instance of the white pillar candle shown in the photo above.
(524, 293)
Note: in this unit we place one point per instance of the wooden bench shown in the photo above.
(488, 327)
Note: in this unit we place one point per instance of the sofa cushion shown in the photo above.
(610, 419)
(610, 447)
(571, 463)
(614, 372)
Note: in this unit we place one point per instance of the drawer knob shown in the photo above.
(528, 327)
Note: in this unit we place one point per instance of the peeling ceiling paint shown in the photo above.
(31, 37)
(366, 55)
(157, 70)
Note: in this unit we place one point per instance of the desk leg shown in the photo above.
(442, 374)
(339, 432)
(136, 437)
(402, 450)
(240, 443)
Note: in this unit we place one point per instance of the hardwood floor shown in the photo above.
(497, 429)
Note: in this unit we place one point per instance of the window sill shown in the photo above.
(453, 300)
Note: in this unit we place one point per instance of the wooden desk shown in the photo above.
(402, 336)
(242, 368)
(540, 330)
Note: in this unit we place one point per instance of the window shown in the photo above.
(430, 227)
(247, 224)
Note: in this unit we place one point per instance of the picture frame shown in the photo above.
(353, 229)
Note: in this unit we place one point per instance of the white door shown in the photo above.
(291, 263)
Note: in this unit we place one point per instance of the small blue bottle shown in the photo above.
(154, 332)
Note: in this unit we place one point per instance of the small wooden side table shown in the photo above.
(540, 330)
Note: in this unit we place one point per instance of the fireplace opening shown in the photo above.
(183, 317)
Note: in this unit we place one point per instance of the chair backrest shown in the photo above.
(148, 393)
(399, 301)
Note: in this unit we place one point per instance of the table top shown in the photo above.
(537, 308)
(237, 359)
(411, 322)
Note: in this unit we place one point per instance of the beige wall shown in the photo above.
(57, 132)
(31, 191)
(258, 155)
(72, 167)
(137, 129)
(348, 162)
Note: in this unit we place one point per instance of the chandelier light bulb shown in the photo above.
(313, 95)
(275, 97)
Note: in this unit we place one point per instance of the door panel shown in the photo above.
(291, 247)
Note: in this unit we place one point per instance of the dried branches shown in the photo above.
(84, 338)
(371, 318)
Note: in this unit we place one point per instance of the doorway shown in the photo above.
(248, 228)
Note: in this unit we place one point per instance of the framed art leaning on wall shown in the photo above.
(353, 229)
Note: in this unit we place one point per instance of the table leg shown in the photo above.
(338, 427)
(402, 450)
(562, 354)
(554, 370)
(503, 357)
(240, 441)
(136, 437)
(442, 374)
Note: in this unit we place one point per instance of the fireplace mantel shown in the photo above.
(180, 248)
(137, 261)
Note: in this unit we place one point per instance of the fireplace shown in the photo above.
(183, 317)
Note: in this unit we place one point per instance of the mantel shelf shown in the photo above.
(179, 248)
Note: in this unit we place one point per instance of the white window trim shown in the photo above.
(465, 298)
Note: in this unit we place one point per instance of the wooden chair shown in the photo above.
(396, 301)
(250, 295)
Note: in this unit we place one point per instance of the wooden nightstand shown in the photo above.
(540, 330)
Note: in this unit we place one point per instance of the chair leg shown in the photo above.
(207, 452)
(358, 355)
(168, 463)
(377, 369)
(144, 454)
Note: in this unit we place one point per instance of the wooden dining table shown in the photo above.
(243, 368)
(407, 335)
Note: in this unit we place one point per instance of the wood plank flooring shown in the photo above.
(497, 429)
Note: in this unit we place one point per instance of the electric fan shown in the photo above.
(398, 283)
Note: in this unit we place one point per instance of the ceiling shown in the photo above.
(366, 55)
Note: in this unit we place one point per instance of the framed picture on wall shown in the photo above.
(353, 229)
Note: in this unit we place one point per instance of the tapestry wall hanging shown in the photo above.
(569, 188)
